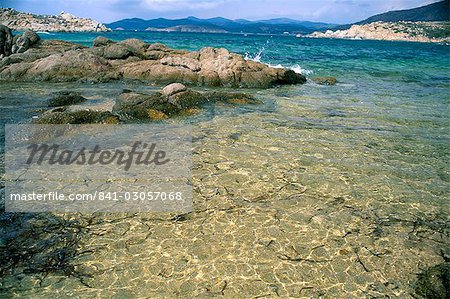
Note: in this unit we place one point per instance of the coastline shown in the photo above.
(424, 32)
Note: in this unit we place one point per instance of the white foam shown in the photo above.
(257, 58)
(296, 68)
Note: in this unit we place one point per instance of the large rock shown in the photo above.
(187, 99)
(25, 41)
(230, 97)
(101, 41)
(6, 41)
(116, 51)
(69, 66)
(135, 46)
(140, 106)
(42, 49)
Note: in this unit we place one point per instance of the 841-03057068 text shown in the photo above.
(100, 196)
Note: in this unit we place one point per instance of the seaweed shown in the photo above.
(39, 245)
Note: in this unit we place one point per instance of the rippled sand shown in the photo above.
(296, 197)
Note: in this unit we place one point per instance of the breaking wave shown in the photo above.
(258, 56)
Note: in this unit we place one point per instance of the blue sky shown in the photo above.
(331, 11)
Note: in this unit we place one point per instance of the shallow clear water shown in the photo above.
(320, 191)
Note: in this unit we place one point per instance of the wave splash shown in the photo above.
(258, 56)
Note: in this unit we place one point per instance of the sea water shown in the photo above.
(319, 191)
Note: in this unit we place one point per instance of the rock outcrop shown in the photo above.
(325, 80)
(132, 59)
(25, 41)
(173, 100)
(63, 22)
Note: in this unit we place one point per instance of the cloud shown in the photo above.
(335, 11)
(168, 5)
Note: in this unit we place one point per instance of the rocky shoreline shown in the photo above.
(133, 59)
(430, 32)
(27, 58)
(64, 22)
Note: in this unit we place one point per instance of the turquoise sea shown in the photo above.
(318, 192)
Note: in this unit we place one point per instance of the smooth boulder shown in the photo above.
(25, 41)
(100, 41)
(173, 88)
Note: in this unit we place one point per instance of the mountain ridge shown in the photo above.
(274, 26)
(434, 12)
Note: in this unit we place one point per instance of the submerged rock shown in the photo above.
(140, 105)
(174, 99)
(61, 116)
(325, 80)
(434, 282)
(231, 97)
(65, 98)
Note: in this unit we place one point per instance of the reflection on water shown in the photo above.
(299, 196)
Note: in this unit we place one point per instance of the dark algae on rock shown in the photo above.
(171, 101)
(434, 283)
(65, 98)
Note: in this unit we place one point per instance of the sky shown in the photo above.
(329, 11)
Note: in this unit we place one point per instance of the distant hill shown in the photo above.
(187, 28)
(193, 24)
(435, 12)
